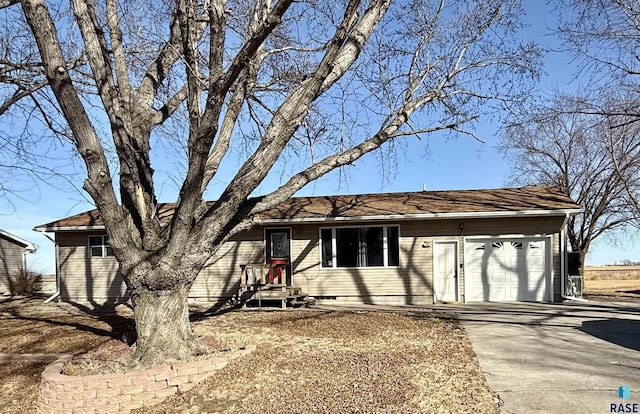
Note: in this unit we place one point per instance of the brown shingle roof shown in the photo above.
(427, 204)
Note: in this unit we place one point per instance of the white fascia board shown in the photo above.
(67, 228)
(429, 216)
(28, 245)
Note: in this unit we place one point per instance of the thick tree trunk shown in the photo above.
(163, 327)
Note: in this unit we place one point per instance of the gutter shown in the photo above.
(42, 229)
(57, 292)
(460, 215)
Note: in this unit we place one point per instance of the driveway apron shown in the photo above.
(557, 358)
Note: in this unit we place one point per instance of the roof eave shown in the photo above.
(47, 229)
(430, 216)
(27, 245)
(395, 217)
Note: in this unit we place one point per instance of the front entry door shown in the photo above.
(445, 269)
(278, 247)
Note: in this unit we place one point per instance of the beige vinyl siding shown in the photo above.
(11, 260)
(94, 278)
(84, 278)
(220, 277)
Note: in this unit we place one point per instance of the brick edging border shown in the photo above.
(123, 392)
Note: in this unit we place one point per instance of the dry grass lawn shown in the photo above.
(306, 361)
(612, 273)
(339, 362)
(30, 327)
(19, 387)
(612, 290)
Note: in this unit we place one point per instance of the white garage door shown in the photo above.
(506, 269)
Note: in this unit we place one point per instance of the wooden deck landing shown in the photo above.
(265, 283)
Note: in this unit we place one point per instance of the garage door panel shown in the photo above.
(513, 292)
(514, 278)
(494, 292)
(536, 262)
(506, 270)
(498, 277)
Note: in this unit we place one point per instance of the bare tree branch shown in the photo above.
(122, 72)
(18, 95)
(98, 184)
(7, 3)
(585, 155)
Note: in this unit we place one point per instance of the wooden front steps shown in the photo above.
(268, 283)
(265, 294)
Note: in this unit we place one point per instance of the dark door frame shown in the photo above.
(268, 231)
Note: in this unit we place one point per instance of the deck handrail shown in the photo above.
(262, 278)
(262, 281)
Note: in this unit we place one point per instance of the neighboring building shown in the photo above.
(402, 248)
(13, 251)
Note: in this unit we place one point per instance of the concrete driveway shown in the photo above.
(556, 358)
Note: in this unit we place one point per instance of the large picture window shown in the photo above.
(99, 246)
(374, 246)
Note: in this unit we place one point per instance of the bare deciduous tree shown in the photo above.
(326, 82)
(595, 159)
(604, 38)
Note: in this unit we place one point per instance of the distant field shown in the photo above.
(612, 283)
(612, 273)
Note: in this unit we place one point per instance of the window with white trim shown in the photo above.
(371, 246)
(99, 246)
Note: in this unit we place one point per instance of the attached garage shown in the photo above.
(508, 269)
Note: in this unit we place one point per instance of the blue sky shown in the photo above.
(442, 162)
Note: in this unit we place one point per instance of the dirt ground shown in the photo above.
(612, 290)
(306, 361)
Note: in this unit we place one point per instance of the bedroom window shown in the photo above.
(348, 247)
(99, 246)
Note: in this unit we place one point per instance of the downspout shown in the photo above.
(27, 251)
(563, 261)
(57, 292)
(24, 258)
